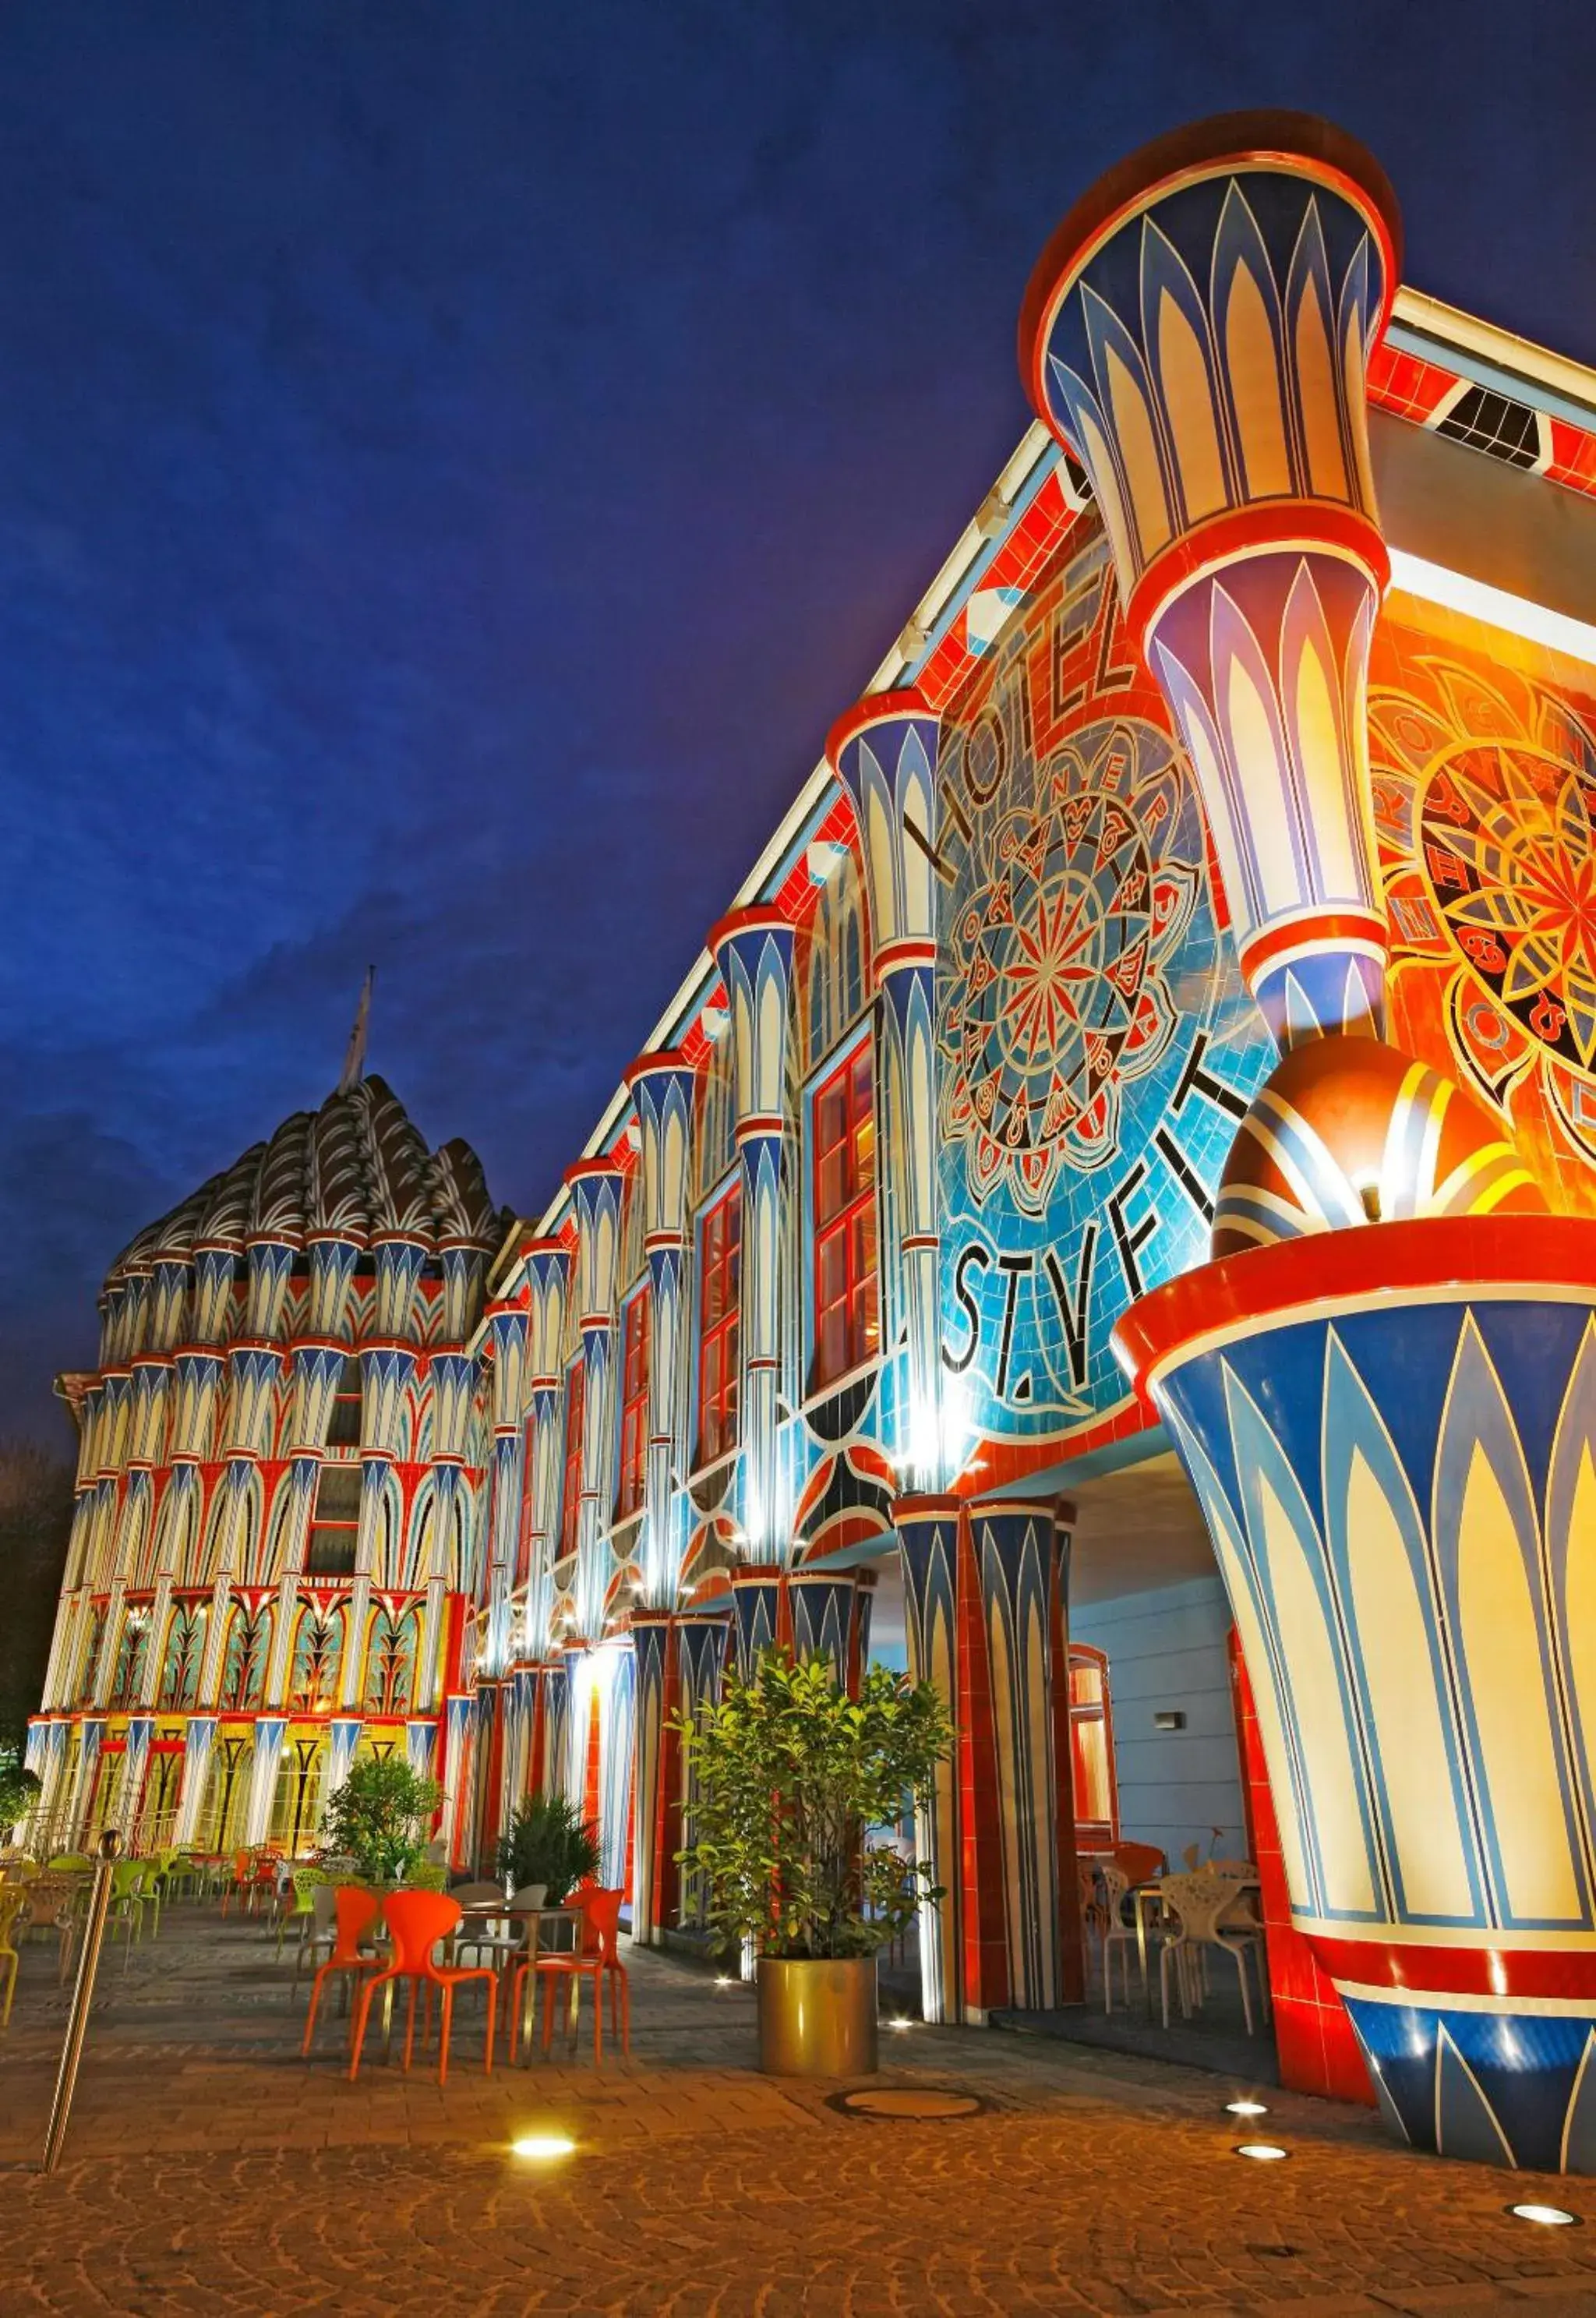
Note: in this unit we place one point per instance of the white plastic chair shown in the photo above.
(1204, 1909)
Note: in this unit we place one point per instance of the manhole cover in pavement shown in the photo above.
(915, 2102)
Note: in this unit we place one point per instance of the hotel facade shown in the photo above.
(1105, 1225)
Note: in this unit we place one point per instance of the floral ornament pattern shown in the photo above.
(1058, 954)
(1485, 794)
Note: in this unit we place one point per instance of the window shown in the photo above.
(1092, 1750)
(343, 1429)
(719, 1330)
(847, 1325)
(335, 1522)
(634, 1402)
(571, 1501)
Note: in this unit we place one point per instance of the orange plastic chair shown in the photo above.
(599, 1959)
(239, 1882)
(355, 1912)
(1139, 1861)
(417, 1921)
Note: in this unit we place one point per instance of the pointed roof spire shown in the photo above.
(355, 1053)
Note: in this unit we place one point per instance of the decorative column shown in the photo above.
(135, 1763)
(760, 1614)
(1198, 331)
(198, 1741)
(1383, 1406)
(654, 1764)
(506, 1330)
(662, 1087)
(883, 752)
(927, 1531)
(554, 1718)
(701, 1638)
(1020, 1618)
(754, 952)
(269, 1731)
(547, 1268)
(343, 1736)
(596, 1198)
(617, 1698)
(824, 1608)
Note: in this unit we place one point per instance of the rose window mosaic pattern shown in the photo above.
(1096, 1047)
(1061, 950)
(1485, 794)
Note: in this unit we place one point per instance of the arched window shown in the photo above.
(1092, 1750)
(571, 1500)
(390, 1663)
(842, 1136)
(317, 1657)
(833, 963)
(244, 1660)
(90, 1665)
(183, 1656)
(635, 1333)
(127, 1680)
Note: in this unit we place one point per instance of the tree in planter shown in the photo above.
(795, 1778)
(19, 1789)
(549, 1842)
(380, 1818)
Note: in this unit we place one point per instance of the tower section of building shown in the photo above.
(273, 1563)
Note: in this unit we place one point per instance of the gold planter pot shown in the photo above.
(817, 2019)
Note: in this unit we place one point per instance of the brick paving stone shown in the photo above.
(208, 2167)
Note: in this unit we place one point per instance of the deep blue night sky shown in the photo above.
(456, 459)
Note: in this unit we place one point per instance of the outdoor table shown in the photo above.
(492, 1911)
(1152, 1888)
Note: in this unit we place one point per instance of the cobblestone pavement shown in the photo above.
(208, 2169)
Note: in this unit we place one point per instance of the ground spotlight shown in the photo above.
(724, 1982)
(1246, 2109)
(542, 2145)
(1550, 2216)
(900, 2020)
(1266, 2153)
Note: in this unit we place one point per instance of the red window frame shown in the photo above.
(1091, 1758)
(636, 1335)
(842, 1129)
(720, 1325)
(571, 1501)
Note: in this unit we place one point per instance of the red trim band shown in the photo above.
(1265, 1283)
(1306, 527)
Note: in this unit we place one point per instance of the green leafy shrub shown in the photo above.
(793, 1779)
(19, 1789)
(549, 1842)
(380, 1818)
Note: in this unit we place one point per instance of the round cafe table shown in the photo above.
(491, 1912)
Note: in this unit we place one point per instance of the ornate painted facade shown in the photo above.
(277, 1556)
(1184, 955)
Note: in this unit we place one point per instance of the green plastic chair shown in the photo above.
(67, 1863)
(301, 1909)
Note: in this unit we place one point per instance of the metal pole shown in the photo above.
(82, 1996)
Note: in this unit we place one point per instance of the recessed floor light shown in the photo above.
(543, 2146)
(724, 1983)
(1550, 2216)
(1246, 2109)
(1266, 2153)
(897, 2021)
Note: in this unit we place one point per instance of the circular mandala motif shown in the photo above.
(1058, 957)
(1510, 861)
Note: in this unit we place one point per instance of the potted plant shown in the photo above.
(547, 1845)
(380, 1818)
(19, 1791)
(795, 1780)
